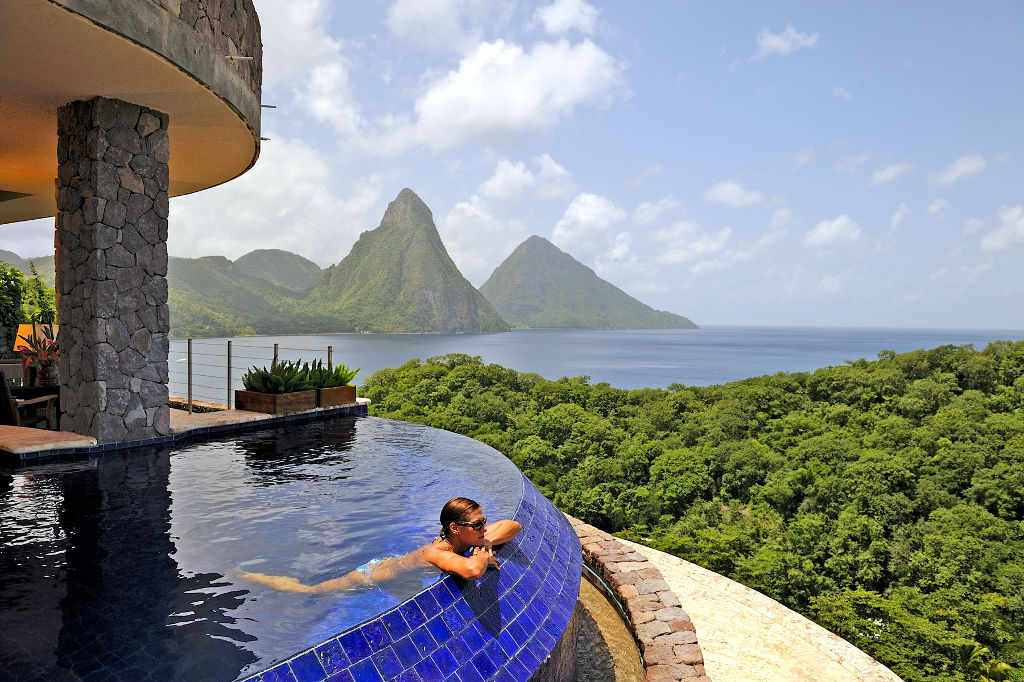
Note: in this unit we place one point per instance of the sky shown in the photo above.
(739, 163)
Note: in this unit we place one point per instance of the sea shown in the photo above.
(624, 358)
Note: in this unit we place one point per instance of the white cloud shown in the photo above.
(282, 202)
(431, 24)
(963, 167)
(841, 231)
(328, 98)
(898, 216)
(585, 230)
(642, 177)
(477, 239)
(829, 284)
(787, 42)
(853, 163)
(564, 15)
(973, 272)
(802, 158)
(782, 218)
(743, 253)
(886, 175)
(508, 181)
(1010, 231)
(685, 242)
(842, 93)
(553, 181)
(500, 90)
(972, 225)
(939, 208)
(733, 194)
(648, 213)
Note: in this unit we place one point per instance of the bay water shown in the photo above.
(624, 358)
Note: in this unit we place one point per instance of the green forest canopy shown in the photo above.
(883, 500)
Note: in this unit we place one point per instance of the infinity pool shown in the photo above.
(125, 566)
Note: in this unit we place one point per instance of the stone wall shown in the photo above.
(232, 26)
(664, 631)
(111, 260)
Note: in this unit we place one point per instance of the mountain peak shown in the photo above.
(407, 210)
(539, 285)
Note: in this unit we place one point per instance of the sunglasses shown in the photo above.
(475, 525)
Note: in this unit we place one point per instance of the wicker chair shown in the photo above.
(25, 412)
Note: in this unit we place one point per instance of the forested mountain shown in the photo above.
(283, 268)
(399, 278)
(539, 285)
(44, 265)
(211, 296)
(884, 500)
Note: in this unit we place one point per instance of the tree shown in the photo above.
(12, 283)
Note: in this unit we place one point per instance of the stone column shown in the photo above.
(111, 260)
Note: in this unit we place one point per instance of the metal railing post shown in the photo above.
(190, 376)
(275, 353)
(330, 357)
(229, 375)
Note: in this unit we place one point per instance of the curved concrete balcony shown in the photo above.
(174, 56)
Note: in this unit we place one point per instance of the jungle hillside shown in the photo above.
(882, 499)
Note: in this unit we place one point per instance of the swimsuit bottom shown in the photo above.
(367, 568)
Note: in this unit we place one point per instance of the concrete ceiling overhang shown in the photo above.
(57, 51)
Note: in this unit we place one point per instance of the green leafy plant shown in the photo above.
(329, 376)
(40, 351)
(282, 377)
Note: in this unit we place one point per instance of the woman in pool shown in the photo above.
(463, 526)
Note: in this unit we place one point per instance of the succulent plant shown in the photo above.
(329, 376)
(282, 377)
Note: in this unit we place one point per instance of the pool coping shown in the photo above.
(64, 445)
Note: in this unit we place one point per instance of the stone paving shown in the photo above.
(749, 637)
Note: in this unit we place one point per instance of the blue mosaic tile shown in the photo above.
(307, 668)
(412, 614)
(444, 660)
(428, 670)
(280, 673)
(387, 663)
(439, 630)
(343, 676)
(484, 665)
(376, 635)
(468, 673)
(518, 671)
(365, 671)
(423, 642)
(395, 625)
(428, 605)
(355, 645)
(406, 651)
(332, 656)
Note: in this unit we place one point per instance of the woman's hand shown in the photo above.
(488, 552)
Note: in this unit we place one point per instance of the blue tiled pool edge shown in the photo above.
(195, 435)
(502, 627)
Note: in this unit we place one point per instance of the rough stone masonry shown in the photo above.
(111, 258)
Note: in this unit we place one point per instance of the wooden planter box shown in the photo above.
(275, 403)
(339, 395)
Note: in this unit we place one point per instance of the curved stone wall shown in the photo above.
(667, 637)
(514, 624)
(232, 26)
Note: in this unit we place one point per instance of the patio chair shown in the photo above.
(25, 412)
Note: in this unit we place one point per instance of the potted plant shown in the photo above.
(39, 354)
(333, 384)
(282, 388)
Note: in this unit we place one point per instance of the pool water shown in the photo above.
(126, 566)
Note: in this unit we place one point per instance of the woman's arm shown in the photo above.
(500, 532)
(467, 568)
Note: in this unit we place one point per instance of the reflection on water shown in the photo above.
(605, 648)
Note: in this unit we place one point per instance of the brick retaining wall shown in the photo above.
(664, 631)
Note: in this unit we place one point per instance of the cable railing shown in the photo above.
(210, 371)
